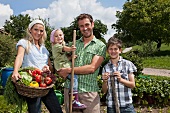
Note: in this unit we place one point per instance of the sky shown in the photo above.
(62, 12)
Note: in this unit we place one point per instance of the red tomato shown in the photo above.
(34, 73)
(38, 71)
(48, 80)
(42, 84)
(38, 78)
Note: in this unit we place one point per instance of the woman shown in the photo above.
(31, 52)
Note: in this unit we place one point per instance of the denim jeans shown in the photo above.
(50, 101)
(128, 109)
(75, 85)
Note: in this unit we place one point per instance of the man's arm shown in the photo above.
(86, 69)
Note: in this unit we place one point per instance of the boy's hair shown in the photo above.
(114, 41)
(83, 16)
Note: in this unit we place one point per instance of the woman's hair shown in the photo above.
(30, 38)
(83, 16)
(114, 41)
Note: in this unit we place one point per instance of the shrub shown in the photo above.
(135, 59)
(9, 108)
(152, 90)
(7, 50)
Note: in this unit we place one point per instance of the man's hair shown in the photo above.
(83, 16)
(114, 41)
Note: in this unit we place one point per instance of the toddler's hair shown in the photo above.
(52, 35)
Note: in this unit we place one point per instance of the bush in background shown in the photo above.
(134, 57)
(151, 90)
(7, 50)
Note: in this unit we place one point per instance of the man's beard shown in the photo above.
(87, 36)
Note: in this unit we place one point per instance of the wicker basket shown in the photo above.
(32, 92)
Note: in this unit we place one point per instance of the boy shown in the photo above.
(122, 70)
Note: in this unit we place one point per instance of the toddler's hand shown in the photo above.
(73, 48)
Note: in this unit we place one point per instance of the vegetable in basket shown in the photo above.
(34, 84)
(26, 78)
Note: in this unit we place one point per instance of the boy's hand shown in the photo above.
(105, 76)
(117, 74)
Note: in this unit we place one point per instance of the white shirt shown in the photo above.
(36, 57)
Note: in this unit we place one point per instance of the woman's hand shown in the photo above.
(15, 76)
(105, 76)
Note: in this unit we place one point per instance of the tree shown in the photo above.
(99, 31)
(143, 21)
(17, 25)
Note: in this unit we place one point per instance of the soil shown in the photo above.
(138, 109)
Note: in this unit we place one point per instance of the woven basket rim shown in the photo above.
(50, 86)
(32, 92)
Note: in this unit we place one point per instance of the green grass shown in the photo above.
(159, 59)
(162, 62)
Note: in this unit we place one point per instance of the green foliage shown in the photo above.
(151, 90)
(157, 62)
(154, 59)
(7, 50)
(17, 25)
(8, 108)
(12, 97)
(99, 31)
(148, 48)
(135, 59)
(59, 85)
(143, 20)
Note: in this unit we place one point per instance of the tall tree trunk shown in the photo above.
(159, 44)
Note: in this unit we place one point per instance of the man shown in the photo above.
(90, 54)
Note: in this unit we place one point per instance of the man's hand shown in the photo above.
(64, 72)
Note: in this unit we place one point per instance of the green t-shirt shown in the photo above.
(87, 83)
(59, 57)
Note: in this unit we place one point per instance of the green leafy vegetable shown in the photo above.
(26, 78)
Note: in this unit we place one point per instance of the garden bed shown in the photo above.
(138, 109)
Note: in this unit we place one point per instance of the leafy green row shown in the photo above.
(152, 90)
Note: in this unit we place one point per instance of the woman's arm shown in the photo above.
(18, 63)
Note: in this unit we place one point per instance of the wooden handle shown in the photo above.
(72, 72)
